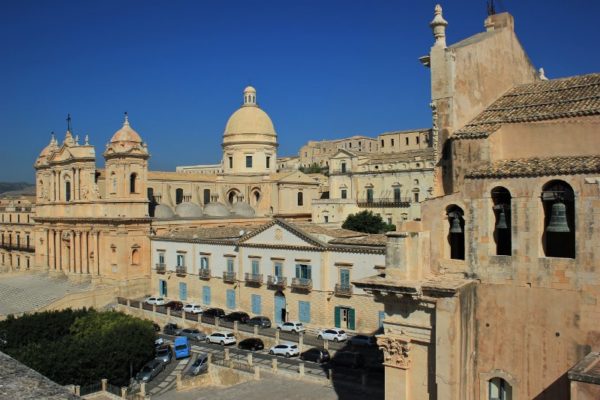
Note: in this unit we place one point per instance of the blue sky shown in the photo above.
(322, 69)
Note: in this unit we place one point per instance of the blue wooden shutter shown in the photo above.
(182, 291)
(308, 272)
(206, 295)
(344, 277)
(351, 315)
(256, 304)
(255, 267)
(162, 284)
(337, 316)
(298, 273)
(304, 311)
(231, 299)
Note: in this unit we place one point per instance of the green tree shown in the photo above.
(366, 221)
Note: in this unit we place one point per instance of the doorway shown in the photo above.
(280, 310)
(344, 318)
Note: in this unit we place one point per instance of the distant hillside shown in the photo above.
(14, 186)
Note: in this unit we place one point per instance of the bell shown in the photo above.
(455, 228)
(558, 219)
(502, 221)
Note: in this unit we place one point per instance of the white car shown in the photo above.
(284, 349)
(159, 301)
(335, 334)
(221, 338)
(292, 326)
(192, 308)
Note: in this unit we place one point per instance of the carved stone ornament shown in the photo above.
(395, 349)
(66, 236)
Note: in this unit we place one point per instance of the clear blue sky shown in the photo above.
(322, 69)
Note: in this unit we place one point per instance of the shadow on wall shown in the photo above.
(559, 389)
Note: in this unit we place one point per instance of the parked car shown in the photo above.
(150, 370)
(182, 347)
(292, 326)
(284, 349)
(192, 308)
(363, 340)
(156, 327)
(335, 334)
(159, 342)
(260, 321)
(200, 366)
(222, 338)
(171, 329)
(193, 334)
(174, 305)
(211, 313)
(251, 344)
(348, 359)
(316, 354)
(159, 301)
(239, 316)
(164, 354)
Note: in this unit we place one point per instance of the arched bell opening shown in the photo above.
(558, 238)
(502, 227)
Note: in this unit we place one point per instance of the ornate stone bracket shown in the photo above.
(396, 349)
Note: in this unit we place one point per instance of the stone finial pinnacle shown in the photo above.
(542, 74)
(438, 25)
(87, 140)
(126, 121)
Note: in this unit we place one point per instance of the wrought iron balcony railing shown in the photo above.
(343, 289)
(180, 270)
(161, 268)
(20, 247)
(204, 273)
(229, 277)
(384, 202)
(253, 278)
(276, 281)
(302, 283)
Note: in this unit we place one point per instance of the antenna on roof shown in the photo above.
(491, 8)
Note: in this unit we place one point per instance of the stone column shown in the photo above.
(77, 253)
(51, 244)
(72, 252)
(85, 256)
(396, 349)
(59, 250)
(75, 184)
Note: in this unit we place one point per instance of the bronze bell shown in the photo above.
(455, 228)
(558, 219)
(502, 220)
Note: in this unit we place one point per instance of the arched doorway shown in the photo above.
(280, 311)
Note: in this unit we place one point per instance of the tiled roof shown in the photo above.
(405, 131)
(527, 167)
(364, 240)
(321, 230)
(231, 232)
(408, 155)
(576, 96)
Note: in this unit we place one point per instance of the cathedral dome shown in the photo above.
(163, 211)
(188, 210)
(216, 209)
(126, 134)
(249, 118)
(126, 141)
(243, 209)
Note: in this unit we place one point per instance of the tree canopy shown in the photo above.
(79, 346)
(366, 221)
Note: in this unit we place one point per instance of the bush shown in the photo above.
(80, 347)
(366, 221)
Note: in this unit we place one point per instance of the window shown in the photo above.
(278, 269)
(417, 140)
(304, 311)
(300, 199)
(161, 257)
(132, 179)
(181, 260)
(350, 145)
(206, 295)
(326, 218)
(344, 277)
(502, 211)
(113, 179)
(206, 196)
(230, 266)
(416, 181)
(343, 167)
(456, 232)
(303, 271)
(406, 140)
(230, 299)
(67, 191)
(230, 161)
(416, 197)
(392, 142)
(499, 389)
(256, 304)
(369, 195)
(268, 162)
(381, 143)
(203, 262)
(248, 161)
(344, 193)
(135, 257)
(178, 196)
(255, 267)
(182, 291)
(397, 195)
(558, 238)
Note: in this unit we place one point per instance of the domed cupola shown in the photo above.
(45, 155)
(126, 142)
(249, 139)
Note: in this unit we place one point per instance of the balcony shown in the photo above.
(15, 247)
(161, 268)
(277, 282)
(204, 273)
(253, 278)
(181, 270)
(343, 290)
(383, 202)
(229, 277)
(302, 283)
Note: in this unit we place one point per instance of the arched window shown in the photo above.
(499, 389)
(206, 196)
(67, 191)
(300, 198)
(232, 197)
(256, 197)
(132, 181)
(178, 196)
(502, 226)
(416, 181)
(113, 179)
(456, 232)
(135, 257)
(558, 200)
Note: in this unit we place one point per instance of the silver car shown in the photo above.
(193, 334)
(200, 366)
(150, 370)
(164, 354)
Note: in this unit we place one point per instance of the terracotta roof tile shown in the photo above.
(527, 167)
(543, 100)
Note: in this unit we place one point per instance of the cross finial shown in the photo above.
(69, 122)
